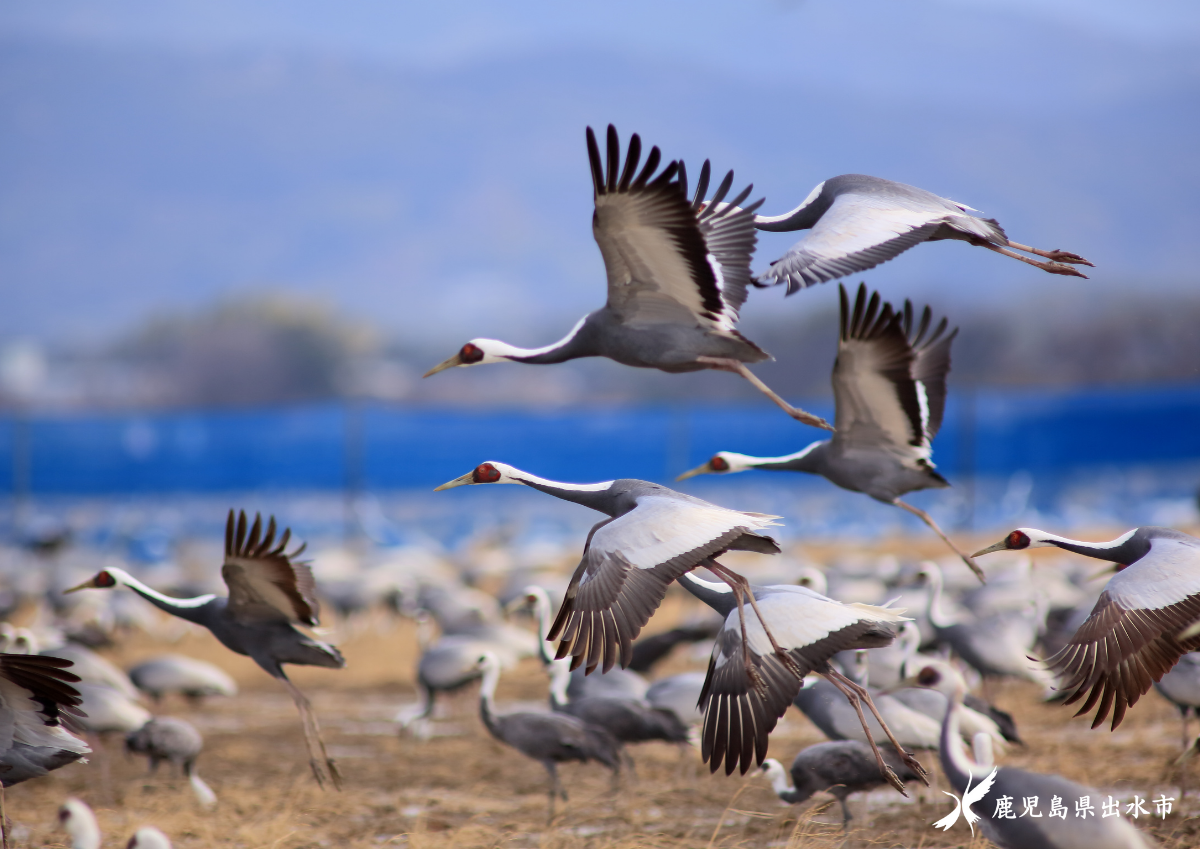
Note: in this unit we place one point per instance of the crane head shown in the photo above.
(102, 580)
(490, 472)
(1019, 540)
(471, 354)
(723, 462)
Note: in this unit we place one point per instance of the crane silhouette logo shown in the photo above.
(969, 797)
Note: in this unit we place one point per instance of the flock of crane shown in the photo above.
(678, 271)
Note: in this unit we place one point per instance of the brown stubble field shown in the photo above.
(464, 790)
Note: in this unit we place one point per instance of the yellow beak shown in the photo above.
(699, 470)
(456, 360)
(1000, 546)
(464, 480)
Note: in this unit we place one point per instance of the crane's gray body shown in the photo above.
(828, 709)
(871, 470)
(168, 739)
(840, 767)
(1181, 686)
(22, 762)
(616, 683)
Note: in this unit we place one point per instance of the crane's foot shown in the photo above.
(334, 775)
(1067, 256)
(889, 775)
(756, 679)
(910, 761)
(809, 419)
(1065, 270)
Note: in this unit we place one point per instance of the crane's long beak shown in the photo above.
(456, 360)
(699, 470)
(1000, 546)
(462, 480)
(89, 584)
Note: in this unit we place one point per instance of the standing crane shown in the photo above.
(677, 276)
(857, 222)
(889, 389)
(739, 714)
(1141, 624)
(548, 738)
(270, 592)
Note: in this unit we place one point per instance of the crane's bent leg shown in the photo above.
(909, 759)
(927, 519)
(317, 757)
(1056, 255)
(752, 673)
(886, 771)
(739, 584)
(3, 821)
(737, 367)
(1052, 267)
(556, 789)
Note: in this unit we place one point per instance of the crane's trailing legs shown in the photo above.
(740, 587)
(322, 765)
(927, 519)
(1057, 258)
(856, 694)
(738, 367)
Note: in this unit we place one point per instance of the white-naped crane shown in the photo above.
(176, 673)
(839, 767)
(1033, 827)
(270, 592)
(38, 703)
(548, 738)
(889, 389)
(1140, 625)
(166, 738)
(627, 720)
(1181, 687)
(77, 819)
(856, 222)
(739, 715)
(677, 275)
(652, 536)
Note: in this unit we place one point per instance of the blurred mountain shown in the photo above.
(453, 202)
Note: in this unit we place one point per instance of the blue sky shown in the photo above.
(422, 166)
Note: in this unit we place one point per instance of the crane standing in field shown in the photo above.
(270, 592)
(856, 222)
(677, 276)
(889, 389)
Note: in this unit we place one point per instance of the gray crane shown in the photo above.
(738, 714)
(889, 390)
(37, 705)
(677, 276)
(270, 592)
(1140, 625)
(1038, 829)
(857, 222)
(177, 673)
(548, 738)
(176, 741)
(627, 720)
(840, 767)
(1181, 687)
(826, 707)
(652, 536)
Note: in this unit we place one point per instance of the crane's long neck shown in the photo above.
(937, 616)
(578, 343)
(809, 459)
(801, 218)
(957, 766)
(593, 495)
(487, 695)
(184, 608)
(1124, 549)
(560, 679)
(779, 783)
(541, 609)
(717, 596)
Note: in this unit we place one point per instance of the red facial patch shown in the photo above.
(1016, 540)
(105, 580)
(718, 464)
(470, 353)
(487, 473)
(928, 676)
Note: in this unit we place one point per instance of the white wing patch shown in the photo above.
(660, 528)
(857, 223)
(1165, 576)
(822, 617)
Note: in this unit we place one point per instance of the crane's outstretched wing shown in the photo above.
(889, 381)
(265, 582)
(1131, 638)
(629, 562)
(37, 689)
(869, 221)
(738, 716)
(668, 259)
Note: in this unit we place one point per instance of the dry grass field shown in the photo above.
(461, 789)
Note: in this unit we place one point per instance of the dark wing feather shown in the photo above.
(49, 684)
(660, 250)
(265, 582)
(931, 364)
(1117, 654)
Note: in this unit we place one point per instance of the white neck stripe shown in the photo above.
(494, 349)
(1041, 536)
(772, 219)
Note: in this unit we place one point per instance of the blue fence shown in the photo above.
(366, 446)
